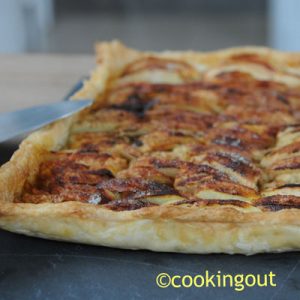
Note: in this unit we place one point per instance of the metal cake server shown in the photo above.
(22, 121)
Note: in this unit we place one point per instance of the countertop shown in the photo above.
(32, 79)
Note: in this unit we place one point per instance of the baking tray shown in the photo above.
(33, 268)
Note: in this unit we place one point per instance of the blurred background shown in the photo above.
(72, 26)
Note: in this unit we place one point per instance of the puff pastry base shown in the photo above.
(186, 229)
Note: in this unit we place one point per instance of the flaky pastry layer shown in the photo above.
(194, 219)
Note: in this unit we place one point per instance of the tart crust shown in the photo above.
(191, 227)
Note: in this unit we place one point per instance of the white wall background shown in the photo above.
(284, 24)
(24, 24)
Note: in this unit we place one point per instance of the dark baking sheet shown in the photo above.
(32, 268)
